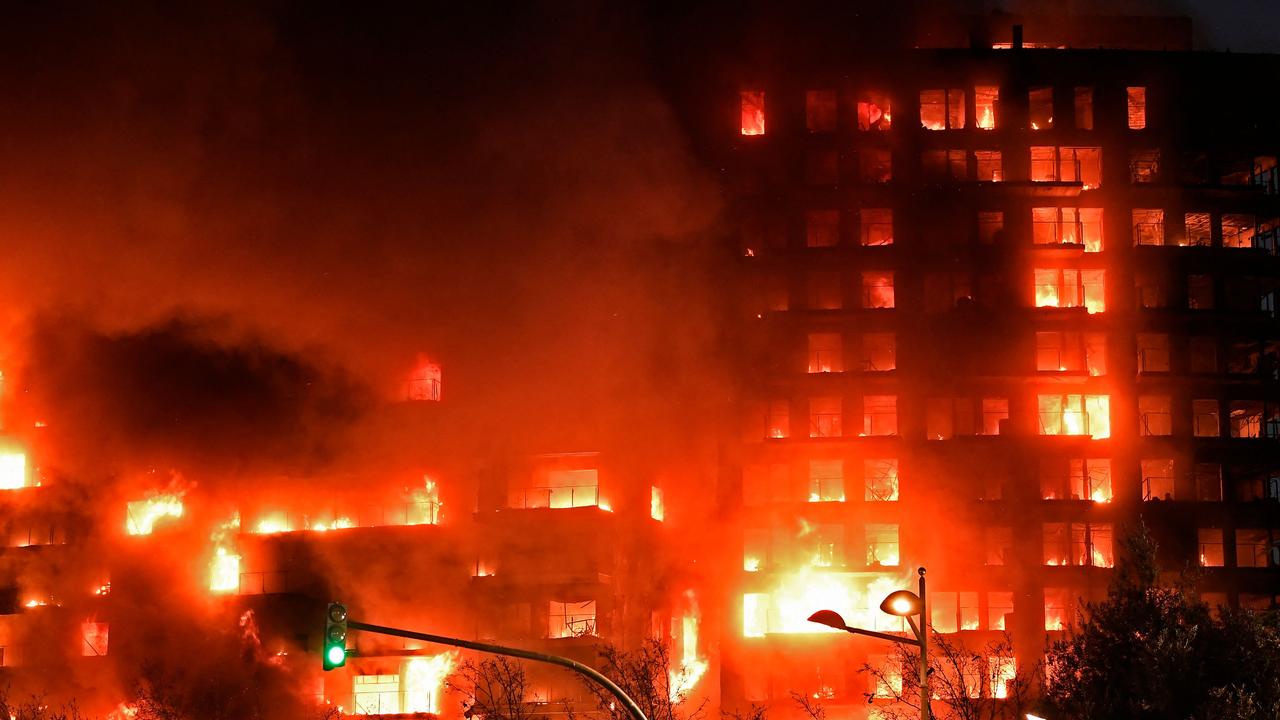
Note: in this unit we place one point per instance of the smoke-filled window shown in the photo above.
(1210, 547)
(1208, 482)
(1199, 229)
(1153, 352)
(752, 112)
(1243, 356)
(1204, 418)
(1075, 415)
(985, 100)
(820, 111)
(1244, 418)
(94, 637)
(821, 166)
(942, 109)
(826, 481)
(988, 166)
(877, 289)
(958, 417)
(1144, 166)
(1151, 289)
(998, 542)
(944, 165)
(1084, 108)
(874, 112)
(880, 479)
(824, 290)
(1253, 548)
(875, 226)
(878, 352)
(1000, 606)
(763, 484)
(825, 417)
(875, 165)
(1040, 108)
(1148, 227)
(1137, 97)
(879, 415)
(824, 545)
(1200, 292)
(826, 353)
(821, 228)
(944, 292)
(990, 224)
(1204, 354)
(571, 619)
(882, 545)
(1238, 230)
(424, 383)
(755, 549)
(1157, 479)
(777, 419)
(1155, 415)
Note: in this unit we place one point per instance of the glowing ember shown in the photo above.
(224, 569)
(13, 470)
(424, 679)
(142, 515)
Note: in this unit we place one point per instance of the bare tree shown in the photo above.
(810, 706)
(963, 682)
(36, 708)
(646, 675)
(495, 688)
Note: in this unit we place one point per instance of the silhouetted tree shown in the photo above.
(645, 674)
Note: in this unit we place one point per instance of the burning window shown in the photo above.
(876, 226)
(879, 352)
(94, 638)
(999, 607)
(1056, 604)
(825, 353)
(942, 109)
(778, 419)
(13, 471)
(985, 99)
(825, 417)
(822, 228)
(944, 165)
(1076, 479)
(821, 166)
(999, 545)
(1003, 671)
(571, 619)
(1200, 292)
(1067, 164)
(752, 112)
(376, 694)
(559, 489)
(880, 480)
(1204, 355)
(1137, 107)
(882, 545)
(995, 412)
(1068, 288)
(657, 504)
(1155, 416)
(1084, 108)
(1067, 225)
(877, 289)
(824, 290)
(820, 111)
(824, 545)
(875, 165)
(1082, 544)
(1040, 108)
(1208, 479)
(1144, 166)
(990, 224)
(988, 165)
(1075, 415)
(874, 112)
(1157, 479)
(1069, 351)
(879, 415)
(826, 481)
(1204, 416)
(1210, 547)
(1199, 229)
(425, 382)
(1148, 227)
(1244, 418)
(1153, 352)
(1253, 548)
(953, 611)
(1238, 230)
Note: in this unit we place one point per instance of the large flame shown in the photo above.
(796, 596)
(142, 515)
(224, 569)
(424, 679)
(692, 666)
(13, 470)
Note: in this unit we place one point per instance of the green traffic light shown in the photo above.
(337, 655)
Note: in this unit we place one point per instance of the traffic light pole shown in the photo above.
(632, 708)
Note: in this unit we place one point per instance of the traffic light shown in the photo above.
(335, 636)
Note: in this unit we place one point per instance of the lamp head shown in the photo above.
(830, 618)
(902, 603)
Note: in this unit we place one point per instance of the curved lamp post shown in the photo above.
(903, 604)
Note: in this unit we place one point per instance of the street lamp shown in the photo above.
(903, 604)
